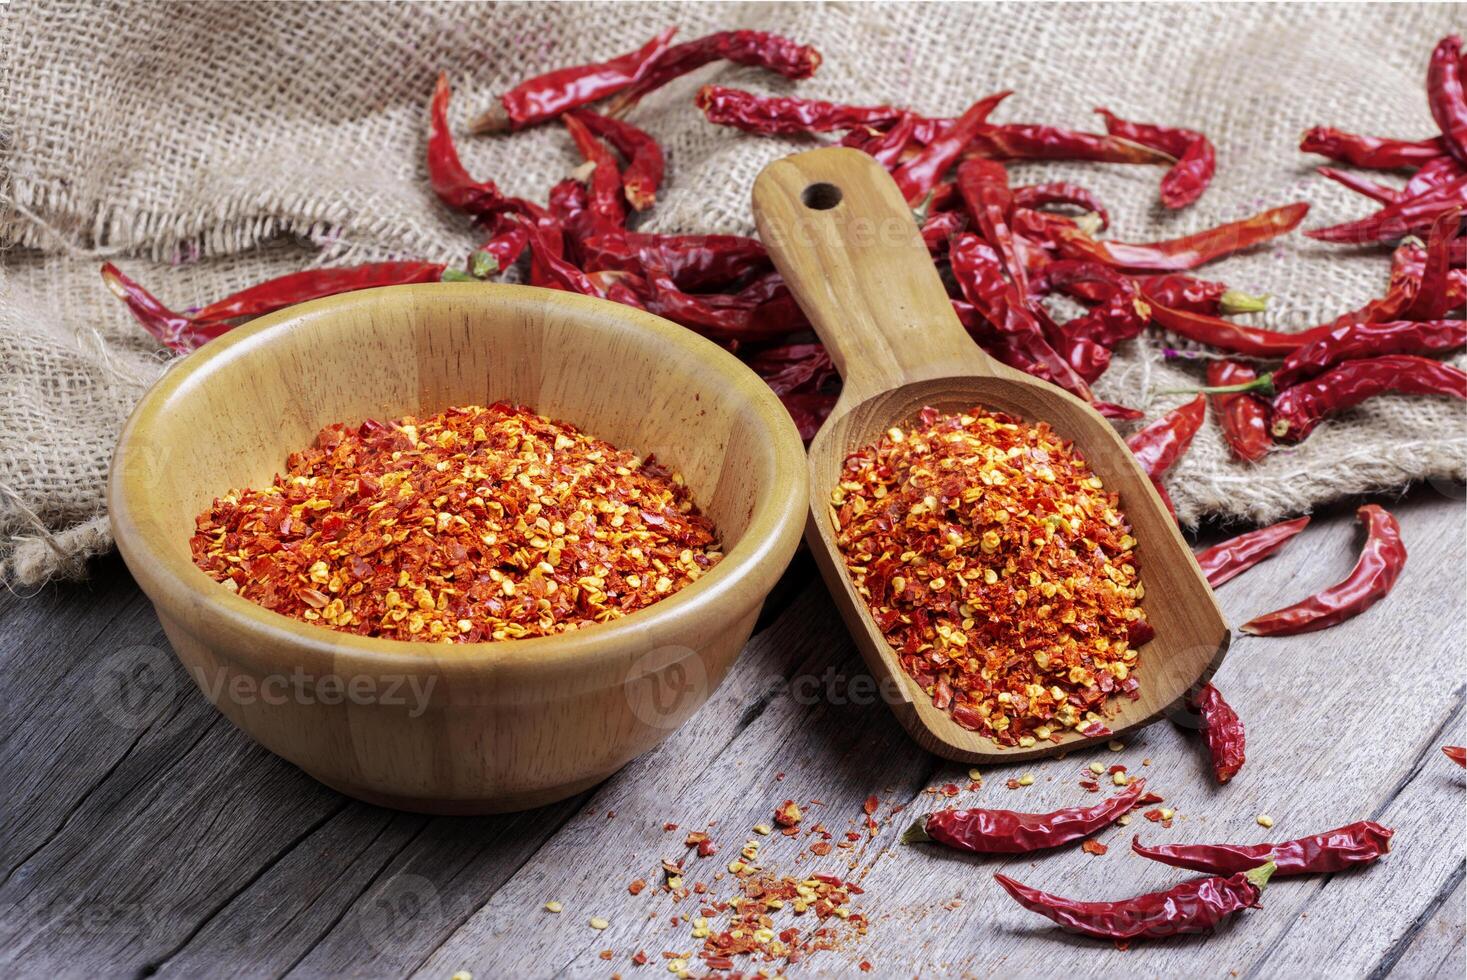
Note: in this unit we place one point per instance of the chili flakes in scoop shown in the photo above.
(998, 568)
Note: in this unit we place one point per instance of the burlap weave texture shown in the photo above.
(206, 146)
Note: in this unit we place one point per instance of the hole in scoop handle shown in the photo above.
(849, 247)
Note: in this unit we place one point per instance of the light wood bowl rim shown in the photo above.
(743, 578)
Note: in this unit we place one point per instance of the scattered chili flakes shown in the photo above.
(871, 804)
(1093, 847)
(636, 886)
(471, 525)
(999, 569)
(669, 827)
(640, 957)
(820, 848)
(605, 954)
(787, 814)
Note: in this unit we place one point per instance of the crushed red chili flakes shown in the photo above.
(998, 568)
(787, 814)
(471, 525)
(1093, 847)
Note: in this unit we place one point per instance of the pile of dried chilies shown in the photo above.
(1004, 247)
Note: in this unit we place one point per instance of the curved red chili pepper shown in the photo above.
(1189, 251)
(1357, 341)
(1434, 293)
(1228, 559)
(446, 173)
(1376, 571)
(1159, 445)
(1025, 141)
(1119, 312)
(1222, 730)
(1433, 173)
(979, 273)
(1235, 338)
(1361, 185)
(919, 175)
(1445, 94)
(984, 185)
(1059, 192)
(1334, 850)
(1371, 152)
(604, 203)
(550, 269)
(775, 116)
(547, 96)
(1244, 417)
(979, 831)
(1408, 215)
(645, 162)
(1195, 295)
(1194, 906)
(185, 332)
(758, 49)
(1457, 754)
(1196, 157)
(1299, 409)
(889, 147)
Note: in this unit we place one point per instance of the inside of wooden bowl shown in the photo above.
(1191, 634)
(228, 415)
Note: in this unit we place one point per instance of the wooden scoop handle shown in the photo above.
(840, 233)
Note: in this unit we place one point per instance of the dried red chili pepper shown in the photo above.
(1235, 338)
(979, 273)
(1361, 185)
(1159, 445)
(693, 261)
(1222, 730)
(1228, 559)
(1299, 409)
(1194, 295)
(757, 49)
(446, 173)
(1376, 571)
(1433, 173)
(604, 201)
(1434, 292)
(1189, 251)
(1031, 142)
(1334, 850)
(645, 162)
(984, 185)
(1457, 754)
(507, 242)
(1194, 906)
(1244, 418)
(771, 115)
(1408, 215)
(549, 268)
(1445, 94)
(185, 332)
(889, 147)
(1059, 192)
(1356, 341)
(980, 831)
(546, 96)
(1196, 158)
(919, 175)
(1371, 152)
(1119, 312)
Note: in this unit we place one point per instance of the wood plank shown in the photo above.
(1439, 947)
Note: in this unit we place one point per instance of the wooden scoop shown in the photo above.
(847, 244)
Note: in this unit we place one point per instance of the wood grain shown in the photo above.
(844, 239)
(458, 728)
(186, 849)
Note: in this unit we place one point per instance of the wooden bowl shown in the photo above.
(458, 728)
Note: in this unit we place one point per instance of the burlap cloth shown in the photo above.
(206, 147)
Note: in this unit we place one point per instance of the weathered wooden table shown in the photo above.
(143, 835)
